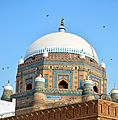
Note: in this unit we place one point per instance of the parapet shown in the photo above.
(91, 110)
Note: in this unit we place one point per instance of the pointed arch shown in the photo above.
(29, 86)
(95, 89)
(63, 85)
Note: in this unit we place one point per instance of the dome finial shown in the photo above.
(114, 85)
(62, 28)
(8, 81)
(62, 22)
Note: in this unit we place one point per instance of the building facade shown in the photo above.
(60, 69)
(65, 61)
(91, 110)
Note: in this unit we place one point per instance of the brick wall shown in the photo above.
(107, 109)
(92, 110)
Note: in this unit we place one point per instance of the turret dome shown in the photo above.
(40, 78)
(114, 94)
(103, 64)
(21, 61)
(7, 92)
(8, 86)
(39, 82)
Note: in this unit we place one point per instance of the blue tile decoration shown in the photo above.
(81, 84)
(46, 83)
(63, 72)
(94, 77)
(62, 63)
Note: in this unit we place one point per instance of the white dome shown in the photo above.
(45, 54)
(21, 61)
(40, 78)
(114, 91)
(8, 87)
(82, 56)
(88, 82)
(103, 64)
(62, 42)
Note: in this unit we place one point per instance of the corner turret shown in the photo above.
(7, 92)
(38, 96)
(114, 95)
(88, 90)
(21, 61)
(103, 64)
(45, 54)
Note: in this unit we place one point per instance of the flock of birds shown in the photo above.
(47, 15)
(5, 68)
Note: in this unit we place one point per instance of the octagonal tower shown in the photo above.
(64, 60)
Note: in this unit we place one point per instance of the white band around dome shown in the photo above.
(60, 50)
(61, 42)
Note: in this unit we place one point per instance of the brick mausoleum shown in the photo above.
(60, 78)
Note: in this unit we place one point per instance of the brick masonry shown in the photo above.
(91, 110)
(56, 68)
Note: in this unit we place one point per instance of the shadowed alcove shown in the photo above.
(63, 85)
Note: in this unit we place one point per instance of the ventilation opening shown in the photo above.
(29, 86)
(63, 85)
(95, 89)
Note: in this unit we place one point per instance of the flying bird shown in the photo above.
(2, 68)
(47, 15)
(103, 26)
(7, 67)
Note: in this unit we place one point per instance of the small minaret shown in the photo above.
(7, 92)
(114, 94)
(103, 64)
(62, 28)
(21, 61)
(39, 99)
(82, 54)
(88, 90)
(40, 82)
(45, 54)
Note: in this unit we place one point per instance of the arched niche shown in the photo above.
(29, 86)
(95, 89)
(63, 85)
